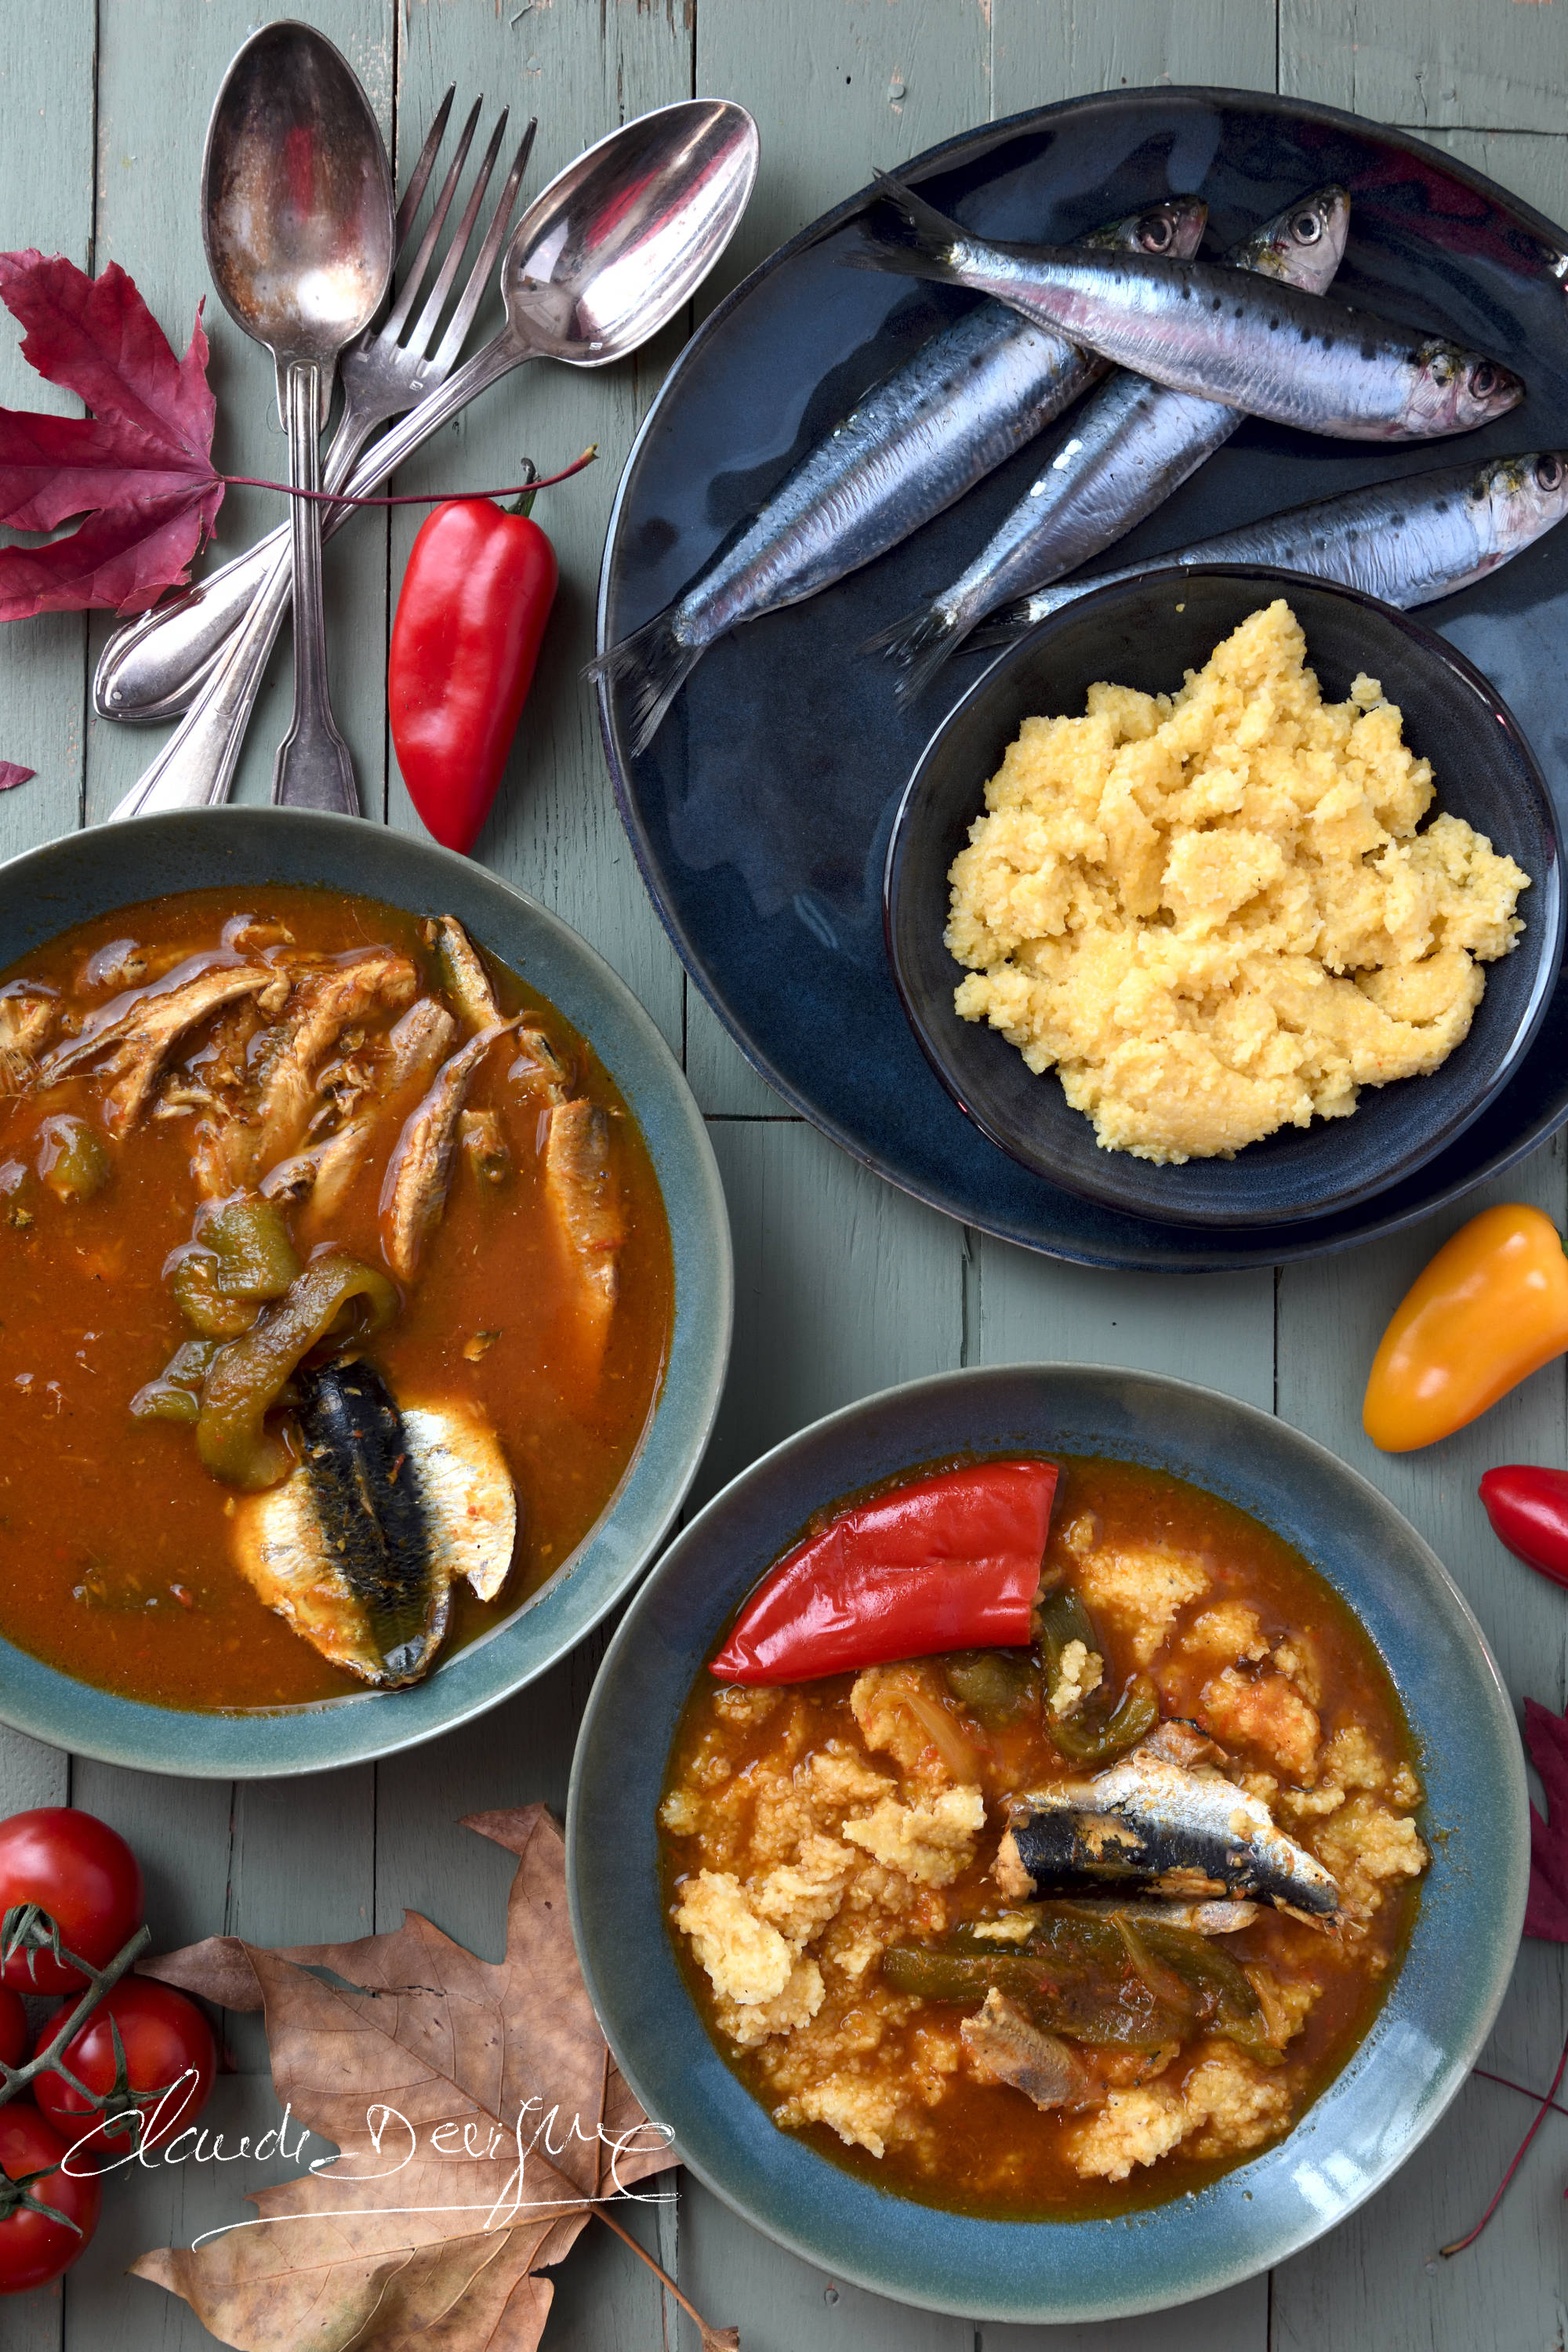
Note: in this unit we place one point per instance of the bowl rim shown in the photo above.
(85, 1719)
(1550, 933)
(1494, 1973)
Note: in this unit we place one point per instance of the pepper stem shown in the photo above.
(523, 503)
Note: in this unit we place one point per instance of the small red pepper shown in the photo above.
(1528, 1507)
(948, 1563)
(476, 596)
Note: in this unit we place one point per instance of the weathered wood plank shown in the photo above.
(1237, 2321)
(554, 830)
(1042, 54)
(1215, 1329)
(843, 1286)
(1429, 62)
(153, 100)
(1377, 2278)
(46, 200)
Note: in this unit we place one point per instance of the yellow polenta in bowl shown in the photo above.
(1217, 912)
(1226, 895)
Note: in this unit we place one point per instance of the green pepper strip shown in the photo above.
(995, 1685)
(1100, 1731)
(196, 1296)
(174, 1394)
(249, 1375)
(250, 1239)
(73, 1161)
(1055, 1978)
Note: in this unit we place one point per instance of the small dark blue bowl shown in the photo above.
(1146, 632)
(1440, 2005)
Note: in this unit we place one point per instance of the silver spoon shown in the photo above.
(613, 246)
(297, 218)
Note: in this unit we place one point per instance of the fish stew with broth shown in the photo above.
(337, 1291)
(1054, 1931)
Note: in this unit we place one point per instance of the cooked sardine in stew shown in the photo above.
(336, 1292)
(1041, 1839)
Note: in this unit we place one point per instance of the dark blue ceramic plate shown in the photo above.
(1146, 632)
(1439, 2006)
(114, 865)
(761, 812)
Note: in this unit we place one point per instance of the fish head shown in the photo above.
(1173, 228)
(1455, 389)
(1524, 496)
(1304, 245)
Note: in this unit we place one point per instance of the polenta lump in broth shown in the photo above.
(1212, 912)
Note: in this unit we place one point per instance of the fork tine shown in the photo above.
(419, 178)
(429, 317)
(452, 341)
(438, 221)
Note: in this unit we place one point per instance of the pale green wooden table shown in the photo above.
(843, 1284)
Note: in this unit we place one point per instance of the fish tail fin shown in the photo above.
(907, 234)
(650, 665)
(1004, 626)
(920, 642)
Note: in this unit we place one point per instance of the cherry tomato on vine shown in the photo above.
(13, 2035)
(165, 2046)
(64, 1877)
(46, 2216)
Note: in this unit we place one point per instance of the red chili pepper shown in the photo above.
(1529, 1511)
(476, 596)
(949, 1563)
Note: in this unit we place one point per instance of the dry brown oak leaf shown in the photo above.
(459, 2047)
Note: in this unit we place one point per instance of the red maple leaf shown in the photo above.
(11, 775)
(1546, 1913)
(138, 468)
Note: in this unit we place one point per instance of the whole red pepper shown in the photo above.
(476, 596)
(1529, 1511)
(948, 1563)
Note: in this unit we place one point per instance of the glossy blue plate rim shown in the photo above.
(206, 848)
(1440, 2005)
(1127, 1243)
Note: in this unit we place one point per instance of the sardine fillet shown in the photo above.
(414, 1191)
(144, 1032)
(328, 1002)
(590, 1215)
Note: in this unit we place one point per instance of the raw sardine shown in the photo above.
(920, 438)
(1147, 1822)
(1131, 446)
(360, 1545)
(1272, 351)
(1409, 541)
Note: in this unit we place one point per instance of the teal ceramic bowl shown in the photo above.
(90, 873)
(1438, 2009)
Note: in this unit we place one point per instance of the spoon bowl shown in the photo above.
(617, 242)
(297, 209)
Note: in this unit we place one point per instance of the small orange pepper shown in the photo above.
(1489, 1310)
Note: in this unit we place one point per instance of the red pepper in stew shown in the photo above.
(476, 597)
(1529, 1511)
(948, 1563)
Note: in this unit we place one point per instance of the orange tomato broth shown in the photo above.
(114, 1561)
(995, 2154)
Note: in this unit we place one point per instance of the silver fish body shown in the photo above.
(1130, 446)
(967, 399)
(360, 1545)
(1408, 542)
(1272, 351)
(1147, 1822)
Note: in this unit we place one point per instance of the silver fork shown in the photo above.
(154, 666)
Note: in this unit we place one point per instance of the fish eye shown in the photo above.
(1158, 234)
(1305, 228)
(1549, 473)
(1484, 378)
